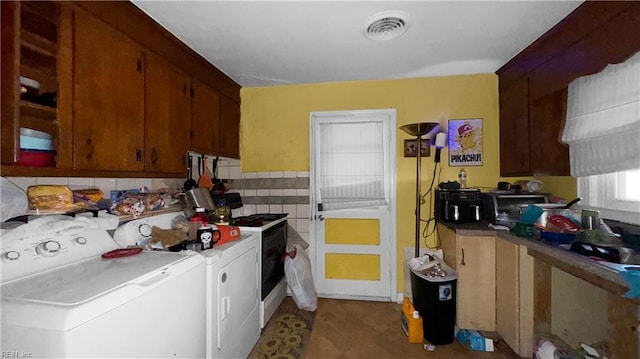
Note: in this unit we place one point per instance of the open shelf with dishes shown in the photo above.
(36, 49)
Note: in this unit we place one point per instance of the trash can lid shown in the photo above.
(437, 273)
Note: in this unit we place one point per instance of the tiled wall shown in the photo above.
(262, 192)
(271, 192)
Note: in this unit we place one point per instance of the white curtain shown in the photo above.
(603, 120)
(351, 165)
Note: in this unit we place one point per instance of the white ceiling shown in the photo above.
(262, 43)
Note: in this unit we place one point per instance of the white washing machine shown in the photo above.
(232, 300)
(60, 298)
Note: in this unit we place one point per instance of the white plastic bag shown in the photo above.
(297, 270)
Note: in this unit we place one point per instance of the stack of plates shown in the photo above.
(36, 148)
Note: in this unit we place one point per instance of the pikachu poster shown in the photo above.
(465, 142)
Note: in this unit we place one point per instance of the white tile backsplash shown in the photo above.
(106, 185)
(302, 225)
(302, 174)
(276, 174)
(302, 192)
(275, 208)
(64, 181)
(223, 172)
(81, 182)
(289, 174)
(234, 172)
(262, 208)
(250, 192)
(23, 182)
(303, 211)
(276, 192)
(263, 192)
(289, 192)
(249, 175)
(264, 174)
(291, 209)
(126, 183)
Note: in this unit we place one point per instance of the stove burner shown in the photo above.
(257, 220)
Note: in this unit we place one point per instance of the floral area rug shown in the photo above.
(286, 335)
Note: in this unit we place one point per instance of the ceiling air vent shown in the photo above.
(386, 25)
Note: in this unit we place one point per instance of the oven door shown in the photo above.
(274, 244)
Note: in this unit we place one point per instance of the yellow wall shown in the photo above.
(274, 130)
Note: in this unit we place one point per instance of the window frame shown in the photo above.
(601, 192)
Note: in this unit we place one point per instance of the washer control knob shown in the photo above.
(80, 241)
(145, 230)
(48, 248)
(12, 255)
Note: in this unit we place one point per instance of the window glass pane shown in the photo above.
(631, 188)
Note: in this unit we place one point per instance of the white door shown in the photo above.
(353, 248)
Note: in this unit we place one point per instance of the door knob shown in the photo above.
(320, 217)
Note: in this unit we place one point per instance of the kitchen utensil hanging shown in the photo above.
(218, 186)
(205, 179)
(190, 183)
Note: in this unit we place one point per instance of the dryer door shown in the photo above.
(237, 284)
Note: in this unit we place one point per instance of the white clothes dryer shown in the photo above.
(233, 299)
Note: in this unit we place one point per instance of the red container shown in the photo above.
(36, 158)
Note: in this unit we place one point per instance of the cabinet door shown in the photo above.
(205, 118)
(514, 129)
(476, 283)
(507, 294)
(108, 98)
(548, 155)
(448, 246)
(167, 106)
(229, 128)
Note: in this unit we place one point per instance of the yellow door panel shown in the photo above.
(352, 231)
(352, 266)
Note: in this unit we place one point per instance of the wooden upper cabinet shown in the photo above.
(167, 116)
(548, 155)
(514, 129)
(533, 85)
(108, 98)
(229, 128)
(205, 118)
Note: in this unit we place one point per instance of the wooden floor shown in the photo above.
(358, 329)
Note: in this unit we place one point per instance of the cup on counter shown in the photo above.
(207, 236)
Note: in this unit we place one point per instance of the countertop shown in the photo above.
(572, 263)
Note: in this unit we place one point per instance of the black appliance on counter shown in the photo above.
(457, 205)
(508, 203)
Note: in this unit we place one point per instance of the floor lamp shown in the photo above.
(418, 130)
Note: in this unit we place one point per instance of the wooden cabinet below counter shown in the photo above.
(474, 258)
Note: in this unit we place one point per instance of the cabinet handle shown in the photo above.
(138, 155)
(139, 65)
(154, 156)
(184, 89)
(89, 149)
(462, 263)
(191, 134)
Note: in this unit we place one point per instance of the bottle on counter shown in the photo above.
(462, 178)
(196, 221)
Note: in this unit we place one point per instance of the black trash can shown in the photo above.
(434, 296)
